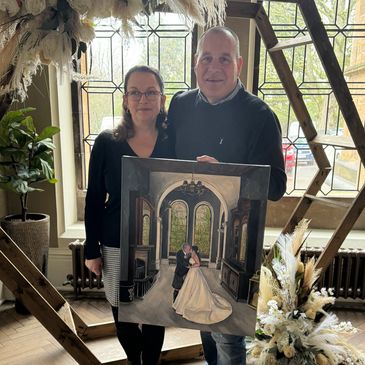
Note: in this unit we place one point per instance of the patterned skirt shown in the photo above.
(111, 274)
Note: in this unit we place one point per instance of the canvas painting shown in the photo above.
(191, 243)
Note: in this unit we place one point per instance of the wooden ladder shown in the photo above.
(318, 36)
(51, 309)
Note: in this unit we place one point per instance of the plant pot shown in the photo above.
(32, 237)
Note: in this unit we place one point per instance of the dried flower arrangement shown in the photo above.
(35, 32)
(293, 325)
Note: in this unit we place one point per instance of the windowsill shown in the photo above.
(320, 237)
(316, 238)
(72, 232)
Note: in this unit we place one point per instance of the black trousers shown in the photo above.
(146, 341)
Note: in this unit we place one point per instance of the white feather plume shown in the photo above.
(34, 7)
(9, 7)
(48, 33)
(293, 324)
(287, 279)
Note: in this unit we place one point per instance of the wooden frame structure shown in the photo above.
(57, 316)
(44, 301)
(318, 36)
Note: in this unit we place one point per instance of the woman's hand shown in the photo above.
(206, 158)
(95, 265)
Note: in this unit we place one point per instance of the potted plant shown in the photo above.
(26, 158)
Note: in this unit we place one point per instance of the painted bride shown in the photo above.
(195, 301)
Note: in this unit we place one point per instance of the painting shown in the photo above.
(191, 243)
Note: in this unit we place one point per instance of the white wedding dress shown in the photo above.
(196, 302)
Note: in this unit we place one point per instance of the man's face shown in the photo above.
(217, 66)
(187, 249)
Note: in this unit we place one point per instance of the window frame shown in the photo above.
(77, 117)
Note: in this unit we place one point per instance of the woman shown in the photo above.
(142, 133)
(195, 300)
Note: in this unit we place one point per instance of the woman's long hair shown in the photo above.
(125, 129)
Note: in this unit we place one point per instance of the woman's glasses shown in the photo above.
(151, 95)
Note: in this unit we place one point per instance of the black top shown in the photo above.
(181, 269)
(103, 197)
(240, 130)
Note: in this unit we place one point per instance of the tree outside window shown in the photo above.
(161, 40)
(344, 22)
(178, 226)
(202, 229)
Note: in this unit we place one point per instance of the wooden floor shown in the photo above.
(23, 340)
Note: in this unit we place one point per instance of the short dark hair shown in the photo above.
(219, 29)
(125, 129)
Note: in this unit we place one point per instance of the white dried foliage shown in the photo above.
(50, 32)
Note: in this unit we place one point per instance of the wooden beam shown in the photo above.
(48, 291)
(291, 88)
(182, 353)
(334, 73)
(342, 231)
(242, 10)
(38, 306)
(66, 315)
(19, 259)
(291, 43)
(285, 75)
(338, 141)
(97, 330)
(304, 203)
(18, 273)
(327, 201)
(38, 280)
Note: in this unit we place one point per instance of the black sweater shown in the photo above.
(102, 206)
(241, 130)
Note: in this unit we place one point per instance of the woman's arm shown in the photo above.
(95, 200)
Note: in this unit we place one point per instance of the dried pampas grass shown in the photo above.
(293, 325)
(298, 235)
(203, 12)
(311, 274)
(31, 30)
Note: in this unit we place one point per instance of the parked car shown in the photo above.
(289, 156)
(304, 155)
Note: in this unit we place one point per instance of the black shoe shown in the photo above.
(20, 308)
(175, 294)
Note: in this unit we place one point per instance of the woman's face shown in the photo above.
(143, 98)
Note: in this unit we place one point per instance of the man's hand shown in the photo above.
(206, 158)
(94, 265)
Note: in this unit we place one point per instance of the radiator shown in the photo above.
(345, 275)
(81, 276)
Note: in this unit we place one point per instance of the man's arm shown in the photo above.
(267, 150)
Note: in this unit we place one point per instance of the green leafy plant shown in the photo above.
(26, 157)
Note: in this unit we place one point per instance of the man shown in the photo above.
(220, 121)
(182, 268)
